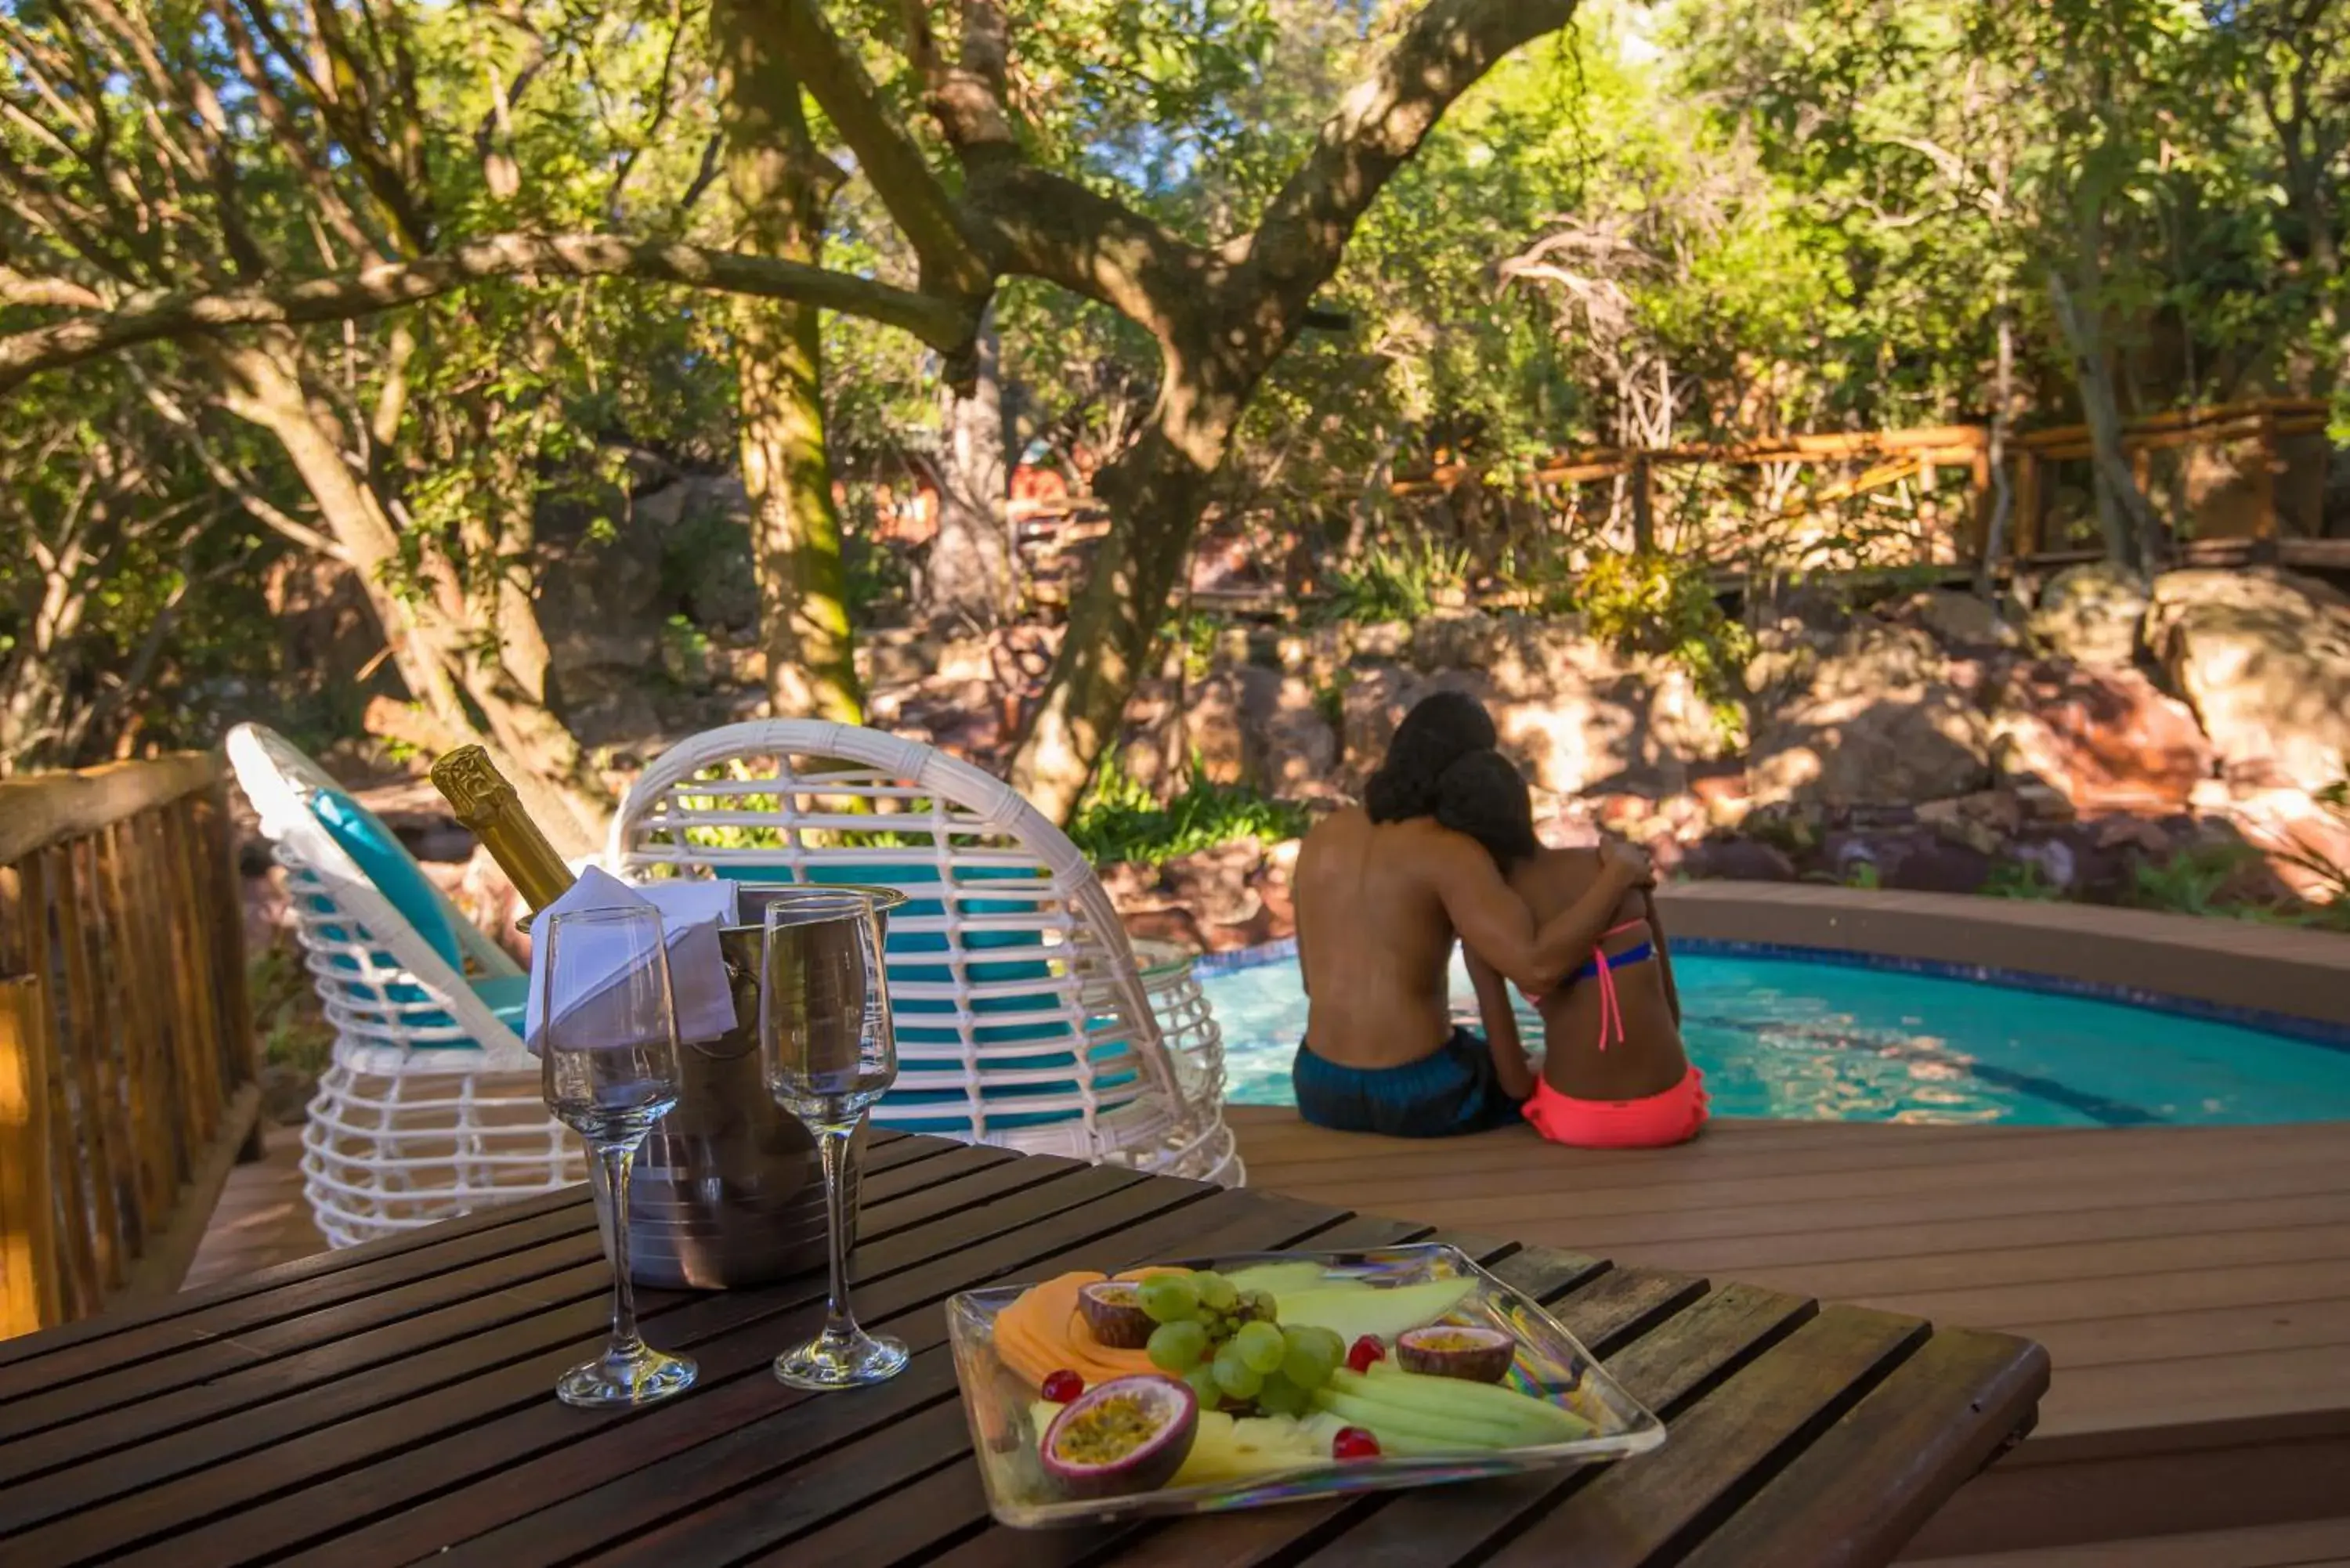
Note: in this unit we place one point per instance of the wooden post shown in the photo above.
(2027, 503)
(1644, 507)
(30, 1296)
(1979, 501)
(2265, 475)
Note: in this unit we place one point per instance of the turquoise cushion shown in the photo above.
(507, 995)
(386, 862)
(909, 1014)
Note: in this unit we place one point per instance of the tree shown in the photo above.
(784, 186)
(1220, 309)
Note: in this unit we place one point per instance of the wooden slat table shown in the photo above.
(394, 1403)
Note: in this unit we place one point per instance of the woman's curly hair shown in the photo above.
(1483, 796)
(1441, 730)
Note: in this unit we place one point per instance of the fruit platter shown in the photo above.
(1201, 1385)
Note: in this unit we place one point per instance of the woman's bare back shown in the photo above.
(1650, 1058)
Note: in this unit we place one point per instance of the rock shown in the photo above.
(1290, 748)
(2090, 615)
(2304, 841)
(2105, 740)
(1382, 641)
(1736, 860)
(1876, 725)
(1374, 704)
(1213, 728)
(2052, 860)
(1957, 621)
(1456, 639)
(2263, 656)
(1955, 822)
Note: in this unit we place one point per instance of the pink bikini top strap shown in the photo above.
(1611, 1009)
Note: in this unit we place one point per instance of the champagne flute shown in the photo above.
(829, 1053)
(608, 1071)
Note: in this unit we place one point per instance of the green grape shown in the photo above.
(1260, 1345)
(1259, 1305)
(1170, 1298)
(1280, 1396)
(1309, 1357)
(1235, 1377)
(1216, 1292)
(1202, 1379)
(1178, 1347)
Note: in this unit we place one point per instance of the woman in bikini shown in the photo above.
(1614, 1072)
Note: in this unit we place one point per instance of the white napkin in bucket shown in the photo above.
(691, 914)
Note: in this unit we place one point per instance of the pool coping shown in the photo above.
(2284, 980)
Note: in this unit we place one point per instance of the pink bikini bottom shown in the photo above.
(1670, 1118)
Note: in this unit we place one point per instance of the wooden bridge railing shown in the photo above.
(2265, 424)
(127, 1083)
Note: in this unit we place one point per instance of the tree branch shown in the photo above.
(1380, 124)
(916, 203)
(143, 319)
(1046, 225)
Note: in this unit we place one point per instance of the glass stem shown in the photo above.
(832, 1149)
(616, 1157)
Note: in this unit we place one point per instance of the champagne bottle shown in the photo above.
(488, 804)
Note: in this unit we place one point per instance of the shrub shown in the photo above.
(1120, 819)
(1657, 604)
(1398, 580)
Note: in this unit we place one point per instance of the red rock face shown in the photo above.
(2107, 740)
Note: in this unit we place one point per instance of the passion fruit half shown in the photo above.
(1448, 1350)
(1128, 1435)
(1114, 1313)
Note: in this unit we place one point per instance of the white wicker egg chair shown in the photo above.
(432, 1106)
(1022, 1018)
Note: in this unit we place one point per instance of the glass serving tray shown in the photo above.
(1550, 1364)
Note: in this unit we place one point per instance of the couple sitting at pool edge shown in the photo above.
(1443, 847)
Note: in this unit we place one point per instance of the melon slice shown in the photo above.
(1278, 1280)
(1352, 1311)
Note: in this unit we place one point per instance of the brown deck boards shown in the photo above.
(2220, 1253)
(2190, 1284)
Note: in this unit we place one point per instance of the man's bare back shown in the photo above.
(1378, 907)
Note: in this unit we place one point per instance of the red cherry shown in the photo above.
(1365, 1350)
(1354, 1443)
(1064, 1385)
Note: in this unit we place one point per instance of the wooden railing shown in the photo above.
(127, 1084)
(1893, 456)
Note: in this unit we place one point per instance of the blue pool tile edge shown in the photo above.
(2310, 1030)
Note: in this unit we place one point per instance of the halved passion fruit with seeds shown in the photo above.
(1130, 1434)
(1114, 1312)
(1446, 1350)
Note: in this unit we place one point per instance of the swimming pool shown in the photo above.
(1836, 1040)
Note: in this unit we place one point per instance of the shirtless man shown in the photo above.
(1383, 892)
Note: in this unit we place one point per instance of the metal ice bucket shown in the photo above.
(726, 1190)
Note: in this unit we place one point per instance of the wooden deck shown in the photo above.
(2192, 1284)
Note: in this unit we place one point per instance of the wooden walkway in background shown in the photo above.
(2192, 1284)
(261, 1218)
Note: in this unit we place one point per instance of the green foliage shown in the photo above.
(2191, 881)
(1120, 819)
(1661, 605)
(1403, 579)
(2020, 879)
(292, 1026)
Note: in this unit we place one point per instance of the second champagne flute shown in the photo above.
(829, 1053)
(609, 1068)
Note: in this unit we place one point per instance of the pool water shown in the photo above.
(1834, 1042)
